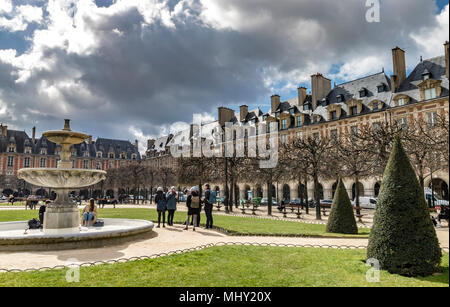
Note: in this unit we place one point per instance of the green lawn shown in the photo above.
(235, 266)
(233, 224)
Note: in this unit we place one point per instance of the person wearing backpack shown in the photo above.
(171, 205)
(209, 200)
(193, 204)
(161, 206)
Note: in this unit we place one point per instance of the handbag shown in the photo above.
(99, 223)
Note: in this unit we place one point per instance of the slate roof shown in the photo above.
(435, 66)
(21, 139)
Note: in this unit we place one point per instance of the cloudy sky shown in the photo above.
(138, 68)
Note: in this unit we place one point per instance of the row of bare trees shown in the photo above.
(352, 154)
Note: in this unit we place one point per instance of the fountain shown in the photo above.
(61, 229)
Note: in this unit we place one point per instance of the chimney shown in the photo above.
(275, 103)
(398, 60)
(4, 130)
(301, 95)
(243, 111)
(33, 135)
(225, 115)
(136, 144)
(446, 59)
(90, 140)
(320, 87)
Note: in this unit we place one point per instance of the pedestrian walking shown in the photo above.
(161, 206)
(171, 205)
(193, 204)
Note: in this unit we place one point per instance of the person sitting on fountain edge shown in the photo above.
(90, 213)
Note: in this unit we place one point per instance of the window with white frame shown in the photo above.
(10, 161)
(42, 162)
(299, 121)
(432, 119)
(283, 138)
(26, 162)
(99, 165)
(430, 93)
(299, 135)
(86, 164)
(401, 102)
(402, 122)
(284, 124)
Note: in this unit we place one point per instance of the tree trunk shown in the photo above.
(306, 195)
(358, 209)
(317, 197)
(269, 197)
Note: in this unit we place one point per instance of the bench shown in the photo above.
(292, 207)
(32, 203)
(218, 206)
(324, 208)
(103, 201)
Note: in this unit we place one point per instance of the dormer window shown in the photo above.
(43, 151)
(381, 88)
(11, 149)
(340, 98)
(111, 155)
(291, 111)
(363, 92)
(324, 102)
(401, 102)
(375, 106)
(284, 124)
(430, 93)
(123, 156)
(306, 107)
(74, 153)
(277, 114)
(27, 150)
(316, 119)
(264, 117)
(354, 110)
(426, 75)
(133, 156)
(333, 115)
(99, 154)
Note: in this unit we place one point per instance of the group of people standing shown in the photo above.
(168, 202)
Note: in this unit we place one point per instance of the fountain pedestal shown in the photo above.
(62, 216)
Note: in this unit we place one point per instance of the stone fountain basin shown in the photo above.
(114, 231)
(60, 178)
(65, 137)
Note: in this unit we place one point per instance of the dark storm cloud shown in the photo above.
(146, 74)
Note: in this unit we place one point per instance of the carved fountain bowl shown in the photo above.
(65, 137)
(61, 178)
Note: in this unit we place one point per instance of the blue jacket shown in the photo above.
(161, 203)
(171, 201)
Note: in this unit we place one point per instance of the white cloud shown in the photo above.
(431, 39)
(20, 17)
(5, 6)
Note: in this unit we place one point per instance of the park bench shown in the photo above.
(218, 206)
(324, 208)
(103, 201)
(359, 216)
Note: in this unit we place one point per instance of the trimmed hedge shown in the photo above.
(341, 219)
(403, 238)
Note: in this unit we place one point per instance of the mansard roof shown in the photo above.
(435, 66)
(18, 138)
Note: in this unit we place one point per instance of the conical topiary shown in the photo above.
(341, 219)
(403, 238)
